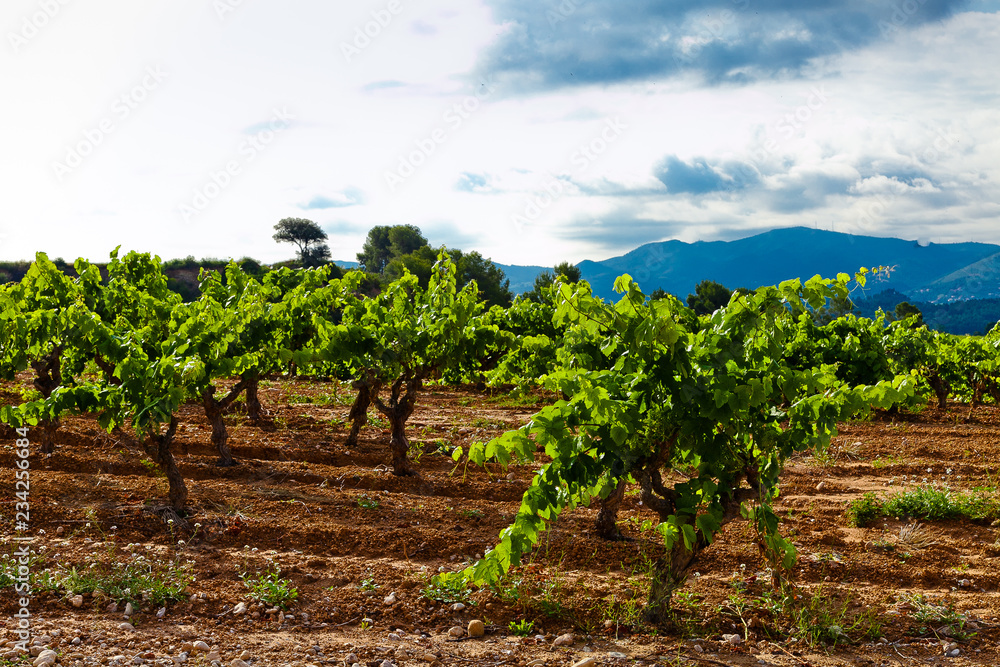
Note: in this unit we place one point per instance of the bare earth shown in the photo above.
(360, 544)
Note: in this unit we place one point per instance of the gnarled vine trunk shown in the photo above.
(607, 518)
(48, 372)
(255, 411)
(941, 390)
(48, 377)
(157, 446)
(402, 400)
(46, 435)
(367, 389)
(108, 369)
(398, 444)
(670, 571)
(214, 410)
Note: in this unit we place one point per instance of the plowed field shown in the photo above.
(359, 546)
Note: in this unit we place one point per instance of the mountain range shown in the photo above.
(932, 272)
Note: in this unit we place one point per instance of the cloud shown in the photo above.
(584, 114)
(883, 184)
(476, 183)
(269, 125)
(783, 188)
(447, 233)
(382, 85)
(706, 175)
(606, 187)
(808, 187)
(618, 230)
(904, 171)
(423, 28)
(349, 197)
(571, 42)
(345, 228)
(697, 178)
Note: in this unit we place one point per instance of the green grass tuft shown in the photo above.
(927, 503)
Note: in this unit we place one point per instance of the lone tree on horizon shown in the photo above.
(309, 238)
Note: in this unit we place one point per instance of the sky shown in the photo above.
(532, 131)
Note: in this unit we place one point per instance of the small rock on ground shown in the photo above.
(564, 640)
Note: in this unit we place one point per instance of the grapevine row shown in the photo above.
(701, 412)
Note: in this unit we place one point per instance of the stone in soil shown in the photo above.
(564, 640)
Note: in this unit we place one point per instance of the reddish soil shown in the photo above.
(335, 520)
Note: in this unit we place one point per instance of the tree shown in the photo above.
(494, 287)
(418, 262)
(118, 326)
(404, 239)
(708, 297)
(308, 236)
(397, 340)
(376, 252)
(702, 417)
(658, 293)
(569, 273)
(905, 310)
(46, 326)
(834, 309)
(385, 243)
(318, 255)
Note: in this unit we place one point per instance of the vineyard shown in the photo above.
(300, 470)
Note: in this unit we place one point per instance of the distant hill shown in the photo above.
(934, 272)
(979, 280)
(344, 264)
(522, 278)
(940, 278)
(972, 316)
